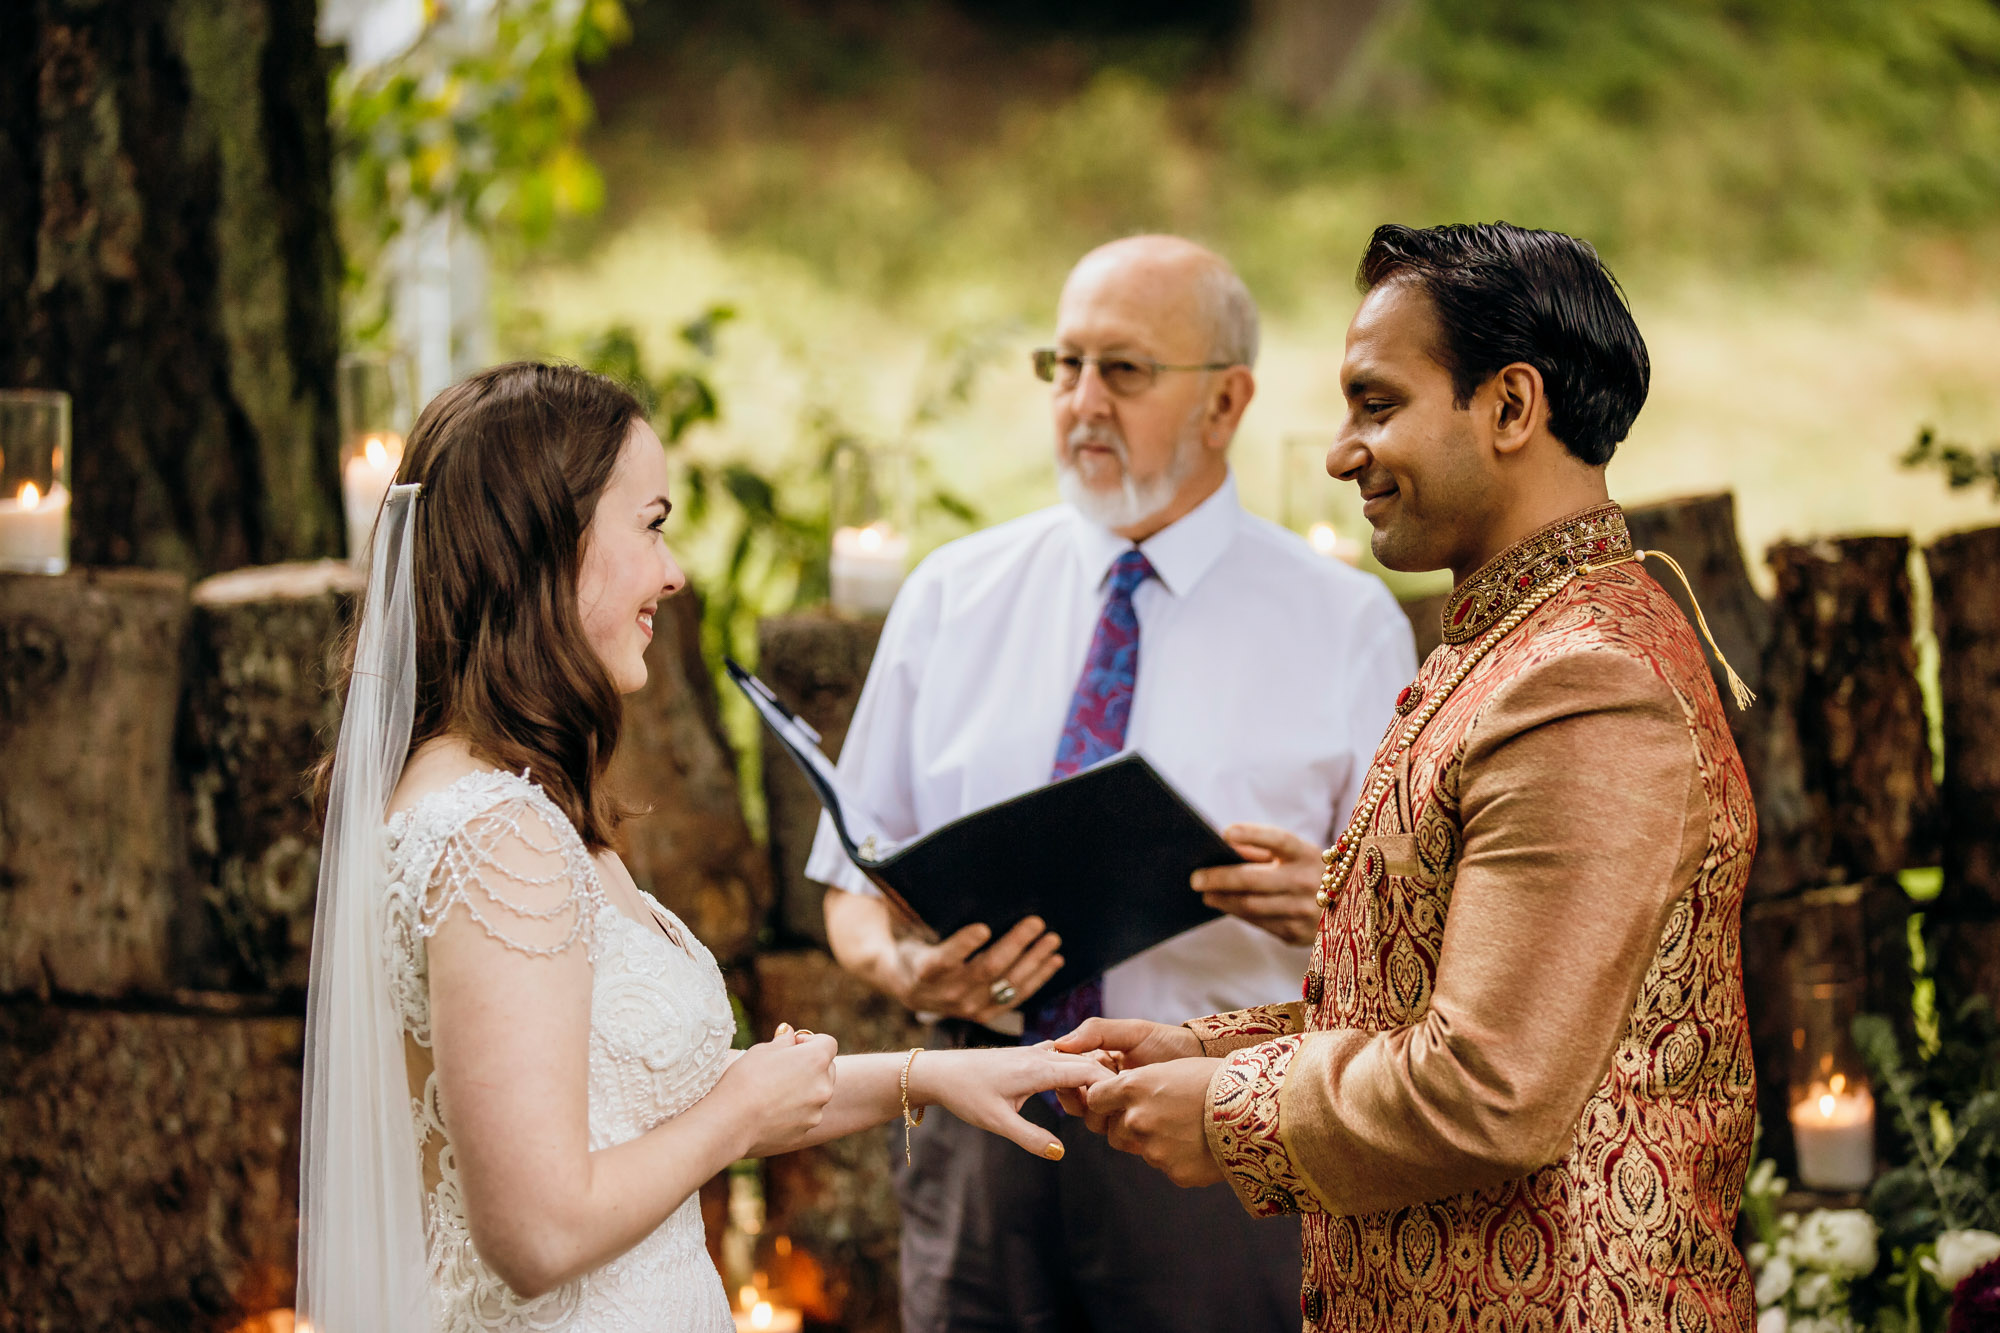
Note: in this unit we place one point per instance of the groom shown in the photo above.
(1518, 1088)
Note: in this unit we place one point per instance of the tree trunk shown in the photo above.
(167, 258)
(1966, 616)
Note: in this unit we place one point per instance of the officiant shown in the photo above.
(1146, 611)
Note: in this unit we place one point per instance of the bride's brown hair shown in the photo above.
(512, 462)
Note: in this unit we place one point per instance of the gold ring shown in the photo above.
(1003, 992)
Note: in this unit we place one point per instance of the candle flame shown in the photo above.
(746, 1297)
(871, 537)
(377, 456)
(1323, 538)
(1839, 1082)
(1826, 1105)
(762, 1316)
(30, 497)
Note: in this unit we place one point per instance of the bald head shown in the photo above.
(1185, 294)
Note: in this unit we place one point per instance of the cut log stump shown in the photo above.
(91, 829)
(261, 709)
(149, 1164)
(816, 663)
(1965, 603)
(837, 1203)
(1845, 663)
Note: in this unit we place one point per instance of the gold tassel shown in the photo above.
(1743, 694)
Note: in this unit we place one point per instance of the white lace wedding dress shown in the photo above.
(660, 1030)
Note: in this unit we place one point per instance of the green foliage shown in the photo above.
(1961, 464)
(1944, 1110)
(482, 119)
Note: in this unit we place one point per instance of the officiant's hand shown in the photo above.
(960, 978)
(1156, 1114)
(1276, 890)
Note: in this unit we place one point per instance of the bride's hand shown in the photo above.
(780, 1088)
(987, 1088)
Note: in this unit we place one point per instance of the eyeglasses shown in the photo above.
(1123, 375)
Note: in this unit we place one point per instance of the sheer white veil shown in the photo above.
(362, 1266)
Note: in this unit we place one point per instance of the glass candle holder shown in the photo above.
(1309, 501)
(1832, 1108)
(871, 545)
(377, 403)
(34, 481)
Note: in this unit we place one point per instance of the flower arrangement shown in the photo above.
(1924, 1254)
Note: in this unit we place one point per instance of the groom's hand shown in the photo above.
(1276, 890)
(1124, 1043)
(1156, 1113)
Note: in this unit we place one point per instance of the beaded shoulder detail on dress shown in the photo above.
(660, 1034)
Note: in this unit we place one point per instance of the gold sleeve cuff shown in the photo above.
(1221, 1034)
(1244, 1133)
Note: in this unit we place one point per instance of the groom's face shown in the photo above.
(1417, 456)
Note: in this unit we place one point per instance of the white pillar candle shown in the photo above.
(1834, 1132)
(363, 483)
(34, 530)
(867, 568)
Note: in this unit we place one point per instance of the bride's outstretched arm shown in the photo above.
(985, 1088)
(510, 992)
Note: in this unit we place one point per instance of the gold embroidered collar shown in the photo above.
(1594, 536)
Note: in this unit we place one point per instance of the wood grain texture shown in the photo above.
(1965, 600)
(92, 851)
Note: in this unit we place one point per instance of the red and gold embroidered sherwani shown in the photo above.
(1518, 1093)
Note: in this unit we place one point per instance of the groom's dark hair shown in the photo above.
(1505, 294)
(512, 462)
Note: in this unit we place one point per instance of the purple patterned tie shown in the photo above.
(1098, 713)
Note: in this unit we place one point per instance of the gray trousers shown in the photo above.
(997, 1241)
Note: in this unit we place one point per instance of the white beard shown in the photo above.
(1134, 501)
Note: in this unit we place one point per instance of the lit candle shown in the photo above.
(1329, 542)
(1834, 1131)
(34, 530)
(363, 484)
(867, 568)
(755, 1313)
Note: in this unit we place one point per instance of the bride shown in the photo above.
(518, 1065)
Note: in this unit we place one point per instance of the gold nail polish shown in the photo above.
(1054, 1152)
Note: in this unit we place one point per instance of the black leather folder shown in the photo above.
(1102, 856)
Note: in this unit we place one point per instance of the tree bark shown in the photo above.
(837, 1203)
(167, 258)
(816, 663)
(92, 858)
(1845, 662)
(261, 709)
(1966, 618)
(149, 1163)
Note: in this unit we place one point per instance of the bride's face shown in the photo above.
(627, 568)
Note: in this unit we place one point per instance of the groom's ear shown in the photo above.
(1514, 406)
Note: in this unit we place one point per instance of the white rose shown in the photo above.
(1841, 1242)
(1758, 1254)
(1812, 1290)
(1958, 1253)
(1773, 1321)
(1773, 1281)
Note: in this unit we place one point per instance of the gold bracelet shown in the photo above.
(910, 1118)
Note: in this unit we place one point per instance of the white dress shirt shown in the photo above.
(1266, 676)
